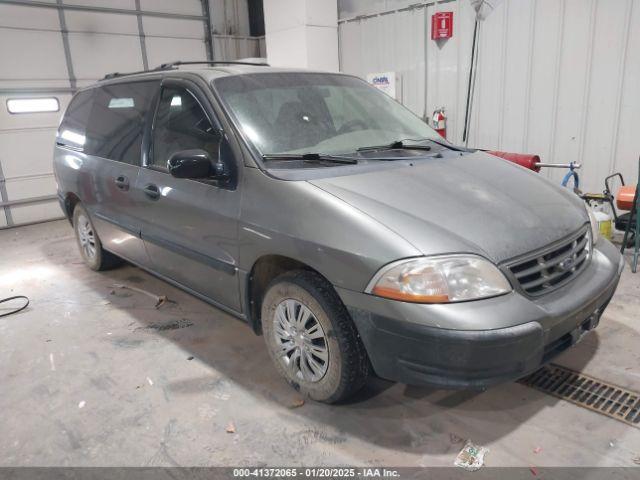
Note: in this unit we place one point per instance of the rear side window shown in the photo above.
(108, 121)
(116, 123)
(72, 131)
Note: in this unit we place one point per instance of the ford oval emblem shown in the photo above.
(566, 264)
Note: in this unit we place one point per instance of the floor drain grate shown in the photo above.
(605, 398)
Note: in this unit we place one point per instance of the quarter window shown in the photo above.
(72, 131)
(181, 124)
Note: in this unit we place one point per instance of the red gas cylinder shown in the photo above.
(522, 159)
(439, 122)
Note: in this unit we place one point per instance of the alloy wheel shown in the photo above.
(86, 237)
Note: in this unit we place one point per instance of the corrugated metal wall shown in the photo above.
(230, 27)
(229, 47)
(560, 78)
(49, 48)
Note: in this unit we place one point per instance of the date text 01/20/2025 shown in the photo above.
(321, 472)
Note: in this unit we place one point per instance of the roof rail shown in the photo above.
(172, 65)
(109, 76)
(166, 66)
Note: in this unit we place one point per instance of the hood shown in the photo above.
(474, 203)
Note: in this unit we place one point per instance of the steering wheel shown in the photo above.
(352, 125)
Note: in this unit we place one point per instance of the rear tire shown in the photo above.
(96, 257)
(311, 337)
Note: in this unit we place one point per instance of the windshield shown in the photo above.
(316, 112)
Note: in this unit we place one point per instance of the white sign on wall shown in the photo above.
(385, 81)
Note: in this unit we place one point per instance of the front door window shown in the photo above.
(181, 124)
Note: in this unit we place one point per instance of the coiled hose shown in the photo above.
(15, 310)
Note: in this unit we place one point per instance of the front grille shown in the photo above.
(553, 267)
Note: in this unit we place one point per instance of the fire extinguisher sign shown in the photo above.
(441, 25)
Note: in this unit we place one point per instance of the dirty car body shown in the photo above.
(456, 268)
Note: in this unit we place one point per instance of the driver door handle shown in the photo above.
(152, 191)
(122, 182)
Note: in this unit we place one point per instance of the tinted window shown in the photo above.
(181, 124)
(72, 129)
(116, 123)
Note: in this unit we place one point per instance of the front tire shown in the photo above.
(89, 243)
(311, 337)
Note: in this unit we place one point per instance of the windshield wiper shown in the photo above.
(317, 157)
(398, 144)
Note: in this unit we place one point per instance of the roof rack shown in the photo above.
(172, 65)
(165, 66)
(109, 76)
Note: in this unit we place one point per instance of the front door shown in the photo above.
(190, 229)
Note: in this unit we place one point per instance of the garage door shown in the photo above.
(50, 48)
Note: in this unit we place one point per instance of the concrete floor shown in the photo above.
(91, 378)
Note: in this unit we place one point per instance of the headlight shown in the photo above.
(441, 279)
(595, 228)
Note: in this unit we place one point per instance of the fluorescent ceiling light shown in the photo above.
(33, 105)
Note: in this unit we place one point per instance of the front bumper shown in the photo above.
(481, 343)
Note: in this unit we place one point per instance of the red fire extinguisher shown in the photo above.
(439, 122)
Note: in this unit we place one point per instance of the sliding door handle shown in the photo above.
(152, 191)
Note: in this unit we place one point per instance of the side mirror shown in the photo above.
(190, 164)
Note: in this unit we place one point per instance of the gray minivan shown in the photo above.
(335, 222)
